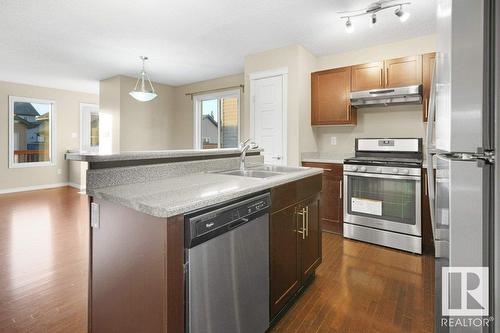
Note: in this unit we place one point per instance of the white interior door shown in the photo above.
(268, 110)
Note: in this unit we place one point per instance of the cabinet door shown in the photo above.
(428, 61)
(331, 204)
(367, 76)
(284, 258)
(330, 97)
(404, 71)
(310, 238)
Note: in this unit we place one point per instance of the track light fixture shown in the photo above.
(373, 9)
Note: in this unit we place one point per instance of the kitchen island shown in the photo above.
(139, 203)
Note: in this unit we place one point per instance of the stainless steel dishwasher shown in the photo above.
(227, 267)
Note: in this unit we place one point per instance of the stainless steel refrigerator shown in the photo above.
(461, 156)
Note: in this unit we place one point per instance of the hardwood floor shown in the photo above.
(361, 287)
(43, 261)
(43, 276)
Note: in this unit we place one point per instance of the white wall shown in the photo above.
(67, 136)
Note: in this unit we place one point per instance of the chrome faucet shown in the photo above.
(244, 146)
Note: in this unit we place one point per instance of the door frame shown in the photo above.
(84, 126)
(283, 72)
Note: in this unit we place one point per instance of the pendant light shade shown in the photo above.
(141, 92)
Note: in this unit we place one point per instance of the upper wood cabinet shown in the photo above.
(367, 76)
(330, 100)
(428, 61)
(404, 71)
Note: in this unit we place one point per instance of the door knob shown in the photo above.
(277, 157)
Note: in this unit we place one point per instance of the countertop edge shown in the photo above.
(162, 212)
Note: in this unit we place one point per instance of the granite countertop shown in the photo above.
(325, 157)
(178, 195)
(153, 154)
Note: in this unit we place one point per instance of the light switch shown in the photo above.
(333, 140)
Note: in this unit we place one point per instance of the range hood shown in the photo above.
(387, 96)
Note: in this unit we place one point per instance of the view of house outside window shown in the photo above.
(31, 132)
(219, 126)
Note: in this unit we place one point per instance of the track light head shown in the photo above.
(403, 15)
(348, 25)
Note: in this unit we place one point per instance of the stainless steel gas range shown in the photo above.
(382, 193)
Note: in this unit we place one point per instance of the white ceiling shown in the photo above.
(72, 44)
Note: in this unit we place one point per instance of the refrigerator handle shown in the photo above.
(430, 147)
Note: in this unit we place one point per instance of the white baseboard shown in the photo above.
(77, 186)
(37, 187)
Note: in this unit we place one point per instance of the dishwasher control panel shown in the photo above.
(211, 222)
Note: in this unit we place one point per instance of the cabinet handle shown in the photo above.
(381, 75)
(425, 184)
(307, 220)
(340, 189)
(329, 170)
(386, 76)
(303, 230)
(426, 109)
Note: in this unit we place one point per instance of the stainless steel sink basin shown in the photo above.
(276, 168)
(251, 173)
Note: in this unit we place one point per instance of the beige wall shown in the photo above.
(146, 125)
(137, 125)
(109, 108)
(67, 135)
(182, 136)
(297, 60)
(395, 121)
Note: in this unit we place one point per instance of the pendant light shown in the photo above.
(141, 93)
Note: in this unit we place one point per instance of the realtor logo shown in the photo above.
(465, 291)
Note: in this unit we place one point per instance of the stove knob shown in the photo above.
(362, 169)
(395, 170)
(354, 168)
(379, 170)
(404, 171)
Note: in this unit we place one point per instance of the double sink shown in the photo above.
(261, 171)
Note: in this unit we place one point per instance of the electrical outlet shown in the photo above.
(333, 140)
(59, 171)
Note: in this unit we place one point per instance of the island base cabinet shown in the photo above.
(295, 244)
(136, 264)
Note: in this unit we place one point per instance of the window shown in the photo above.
(89, 128)
(31, 132)
(217, 118)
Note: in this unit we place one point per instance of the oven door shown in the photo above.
(387, 202)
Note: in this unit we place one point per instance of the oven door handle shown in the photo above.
(383, 175)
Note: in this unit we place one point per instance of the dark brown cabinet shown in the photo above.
(295, 239)
(428, 61)
(330, 97)
(331, 210)
(404, 71)
(310, 236)
(367, 76)
(427, 236)
(284, 258)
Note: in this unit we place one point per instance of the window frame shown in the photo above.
(198, 99)
(85, 128)
(52, 134)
